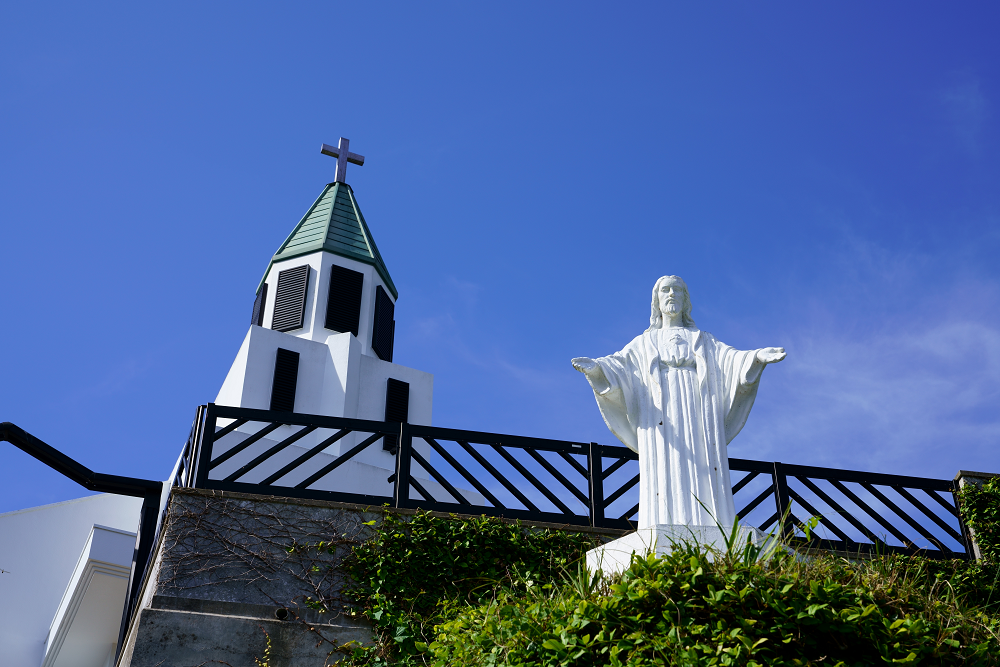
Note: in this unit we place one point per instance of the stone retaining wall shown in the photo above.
(227, 576)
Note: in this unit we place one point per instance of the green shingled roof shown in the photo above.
(334, 223)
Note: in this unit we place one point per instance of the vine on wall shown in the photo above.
(980, 504)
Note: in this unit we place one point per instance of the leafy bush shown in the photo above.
(455, 591)
(684, 609)
(414, 565)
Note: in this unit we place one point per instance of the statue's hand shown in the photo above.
(770, 355)
(584, 364)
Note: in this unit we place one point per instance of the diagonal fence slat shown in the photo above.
(459, 498)
(463, 471)
(819, 515)
(631, 512)
(290, 440)
(576, 464)
(226, 430)
(621, 491)
(743, 482)
(339, 461)
(930, 515)
(614, 468)
(863, 506)
(860, 527)
(313, 451)
(944, 503)
(263, 433)
(904, 516)
(421, 490)
(752, 505)
(531, 478)
(771, 520)
(558, 475)
(496, 475)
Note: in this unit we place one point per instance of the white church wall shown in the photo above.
(39, 549)
(334, 379)
(318, 291)
(371, 403)
(322, 381)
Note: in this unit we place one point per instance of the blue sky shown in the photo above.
(825, 178)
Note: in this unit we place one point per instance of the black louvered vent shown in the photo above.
(343, 306)
(286, 377)
(397, 408)
(290, 299)
(383, 329)
(258, 306)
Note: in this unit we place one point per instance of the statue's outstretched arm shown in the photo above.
(595, 374)
(770, 355)
(763, 357)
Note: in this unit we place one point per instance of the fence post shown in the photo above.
(401, 490)
(781, 501)
(205, 444)
(595, 479)
(962, 479)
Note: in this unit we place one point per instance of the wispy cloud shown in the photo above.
(968, 108)
(899, 371)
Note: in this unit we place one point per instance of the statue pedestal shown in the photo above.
(615, 557)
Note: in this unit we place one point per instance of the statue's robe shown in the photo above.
(678, 396)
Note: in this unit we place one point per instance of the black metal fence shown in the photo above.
(853, 512)
(469, 472)
(574, 483)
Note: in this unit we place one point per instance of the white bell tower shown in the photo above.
(323, 325)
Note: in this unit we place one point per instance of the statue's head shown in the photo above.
(670, 292)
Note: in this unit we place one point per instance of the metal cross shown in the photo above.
(343, 157)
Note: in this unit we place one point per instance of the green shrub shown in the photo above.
(449, 591)
(415, 567)
(683, 609)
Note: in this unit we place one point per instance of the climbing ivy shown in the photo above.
(411, 573)
(980, 505)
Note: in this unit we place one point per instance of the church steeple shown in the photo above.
(328, 276)
(321, 339)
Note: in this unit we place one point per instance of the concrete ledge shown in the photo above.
(173, 638)
(331, 504)
(259, 612)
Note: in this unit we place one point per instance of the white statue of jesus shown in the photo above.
(678, 396)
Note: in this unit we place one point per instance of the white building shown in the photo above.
(66, 570)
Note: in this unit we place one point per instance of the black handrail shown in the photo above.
(147, 489)
(79, 473)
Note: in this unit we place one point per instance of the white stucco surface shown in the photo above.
(335, 379)
(40, 548)
(319, 290)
